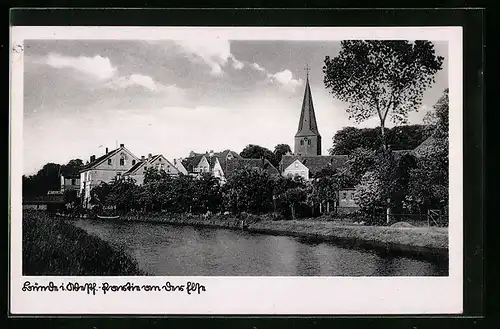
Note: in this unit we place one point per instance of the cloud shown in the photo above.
(258, 67)
(162, 93)
(99, 67)
(214, 52)
(238, 65)
(136, 80)
(285, 79)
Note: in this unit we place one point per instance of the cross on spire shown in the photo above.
(307, 70)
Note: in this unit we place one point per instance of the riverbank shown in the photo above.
(426, 242)
(55, 247)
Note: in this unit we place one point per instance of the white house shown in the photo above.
(103, 169)
(152, 161)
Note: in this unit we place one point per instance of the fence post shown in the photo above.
(428, 219)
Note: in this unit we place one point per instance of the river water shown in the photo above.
(169, 250)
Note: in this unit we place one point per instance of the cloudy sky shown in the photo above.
(172, 97)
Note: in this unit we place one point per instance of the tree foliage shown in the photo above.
(384, 78)
(280, 150)
(250, 191)
(406, 137)
(252, 151)
(48, 178)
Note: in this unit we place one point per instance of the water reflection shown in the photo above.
(189, 251)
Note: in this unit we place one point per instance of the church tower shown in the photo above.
(307, 138)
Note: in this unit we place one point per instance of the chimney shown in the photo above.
(150, 155)
(107, 150)
(142, 157)
(92, 158)
(211, 154)
(122, 145)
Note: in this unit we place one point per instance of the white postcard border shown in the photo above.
(247, 295)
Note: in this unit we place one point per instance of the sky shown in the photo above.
(176, 96)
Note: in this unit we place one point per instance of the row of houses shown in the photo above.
(121, 162)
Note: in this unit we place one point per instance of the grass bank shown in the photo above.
(52, 246)
(426, 242)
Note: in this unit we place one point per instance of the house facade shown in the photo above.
(70, 183)
(209, 162)
(103, 169)
(152, 161)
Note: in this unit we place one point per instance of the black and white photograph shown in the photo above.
(228, 154)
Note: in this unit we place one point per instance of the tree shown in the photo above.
(324, 188)
(280, 150)
(208, 194)
(370, 194)
(252, 151)
(249, 190)
(381, 77)
(405, 137)
(428, 183)
(294, 197)
(72, 168)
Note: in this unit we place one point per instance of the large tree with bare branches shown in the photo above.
(384, 78)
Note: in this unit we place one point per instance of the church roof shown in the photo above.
(314, 162)
(307, 123)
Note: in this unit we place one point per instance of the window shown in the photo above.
(344, 195)
(73, 181)
(133, 162)
(308, 142)
(109, 162)
(301, 142)
(351, 196)
(122, 162)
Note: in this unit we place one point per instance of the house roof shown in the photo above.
(233, 165)
(135, 167)
(426, 147)
(314, 162)
(190, 162)
(101, 159)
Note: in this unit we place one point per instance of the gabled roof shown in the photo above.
(314, 162)
(103, 158)
(135, 167)
(232, 166)
(222, 156)
(141, 163)
(427, 147)
(307, 123)
(191, 162)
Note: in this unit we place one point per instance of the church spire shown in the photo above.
(307, 122)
